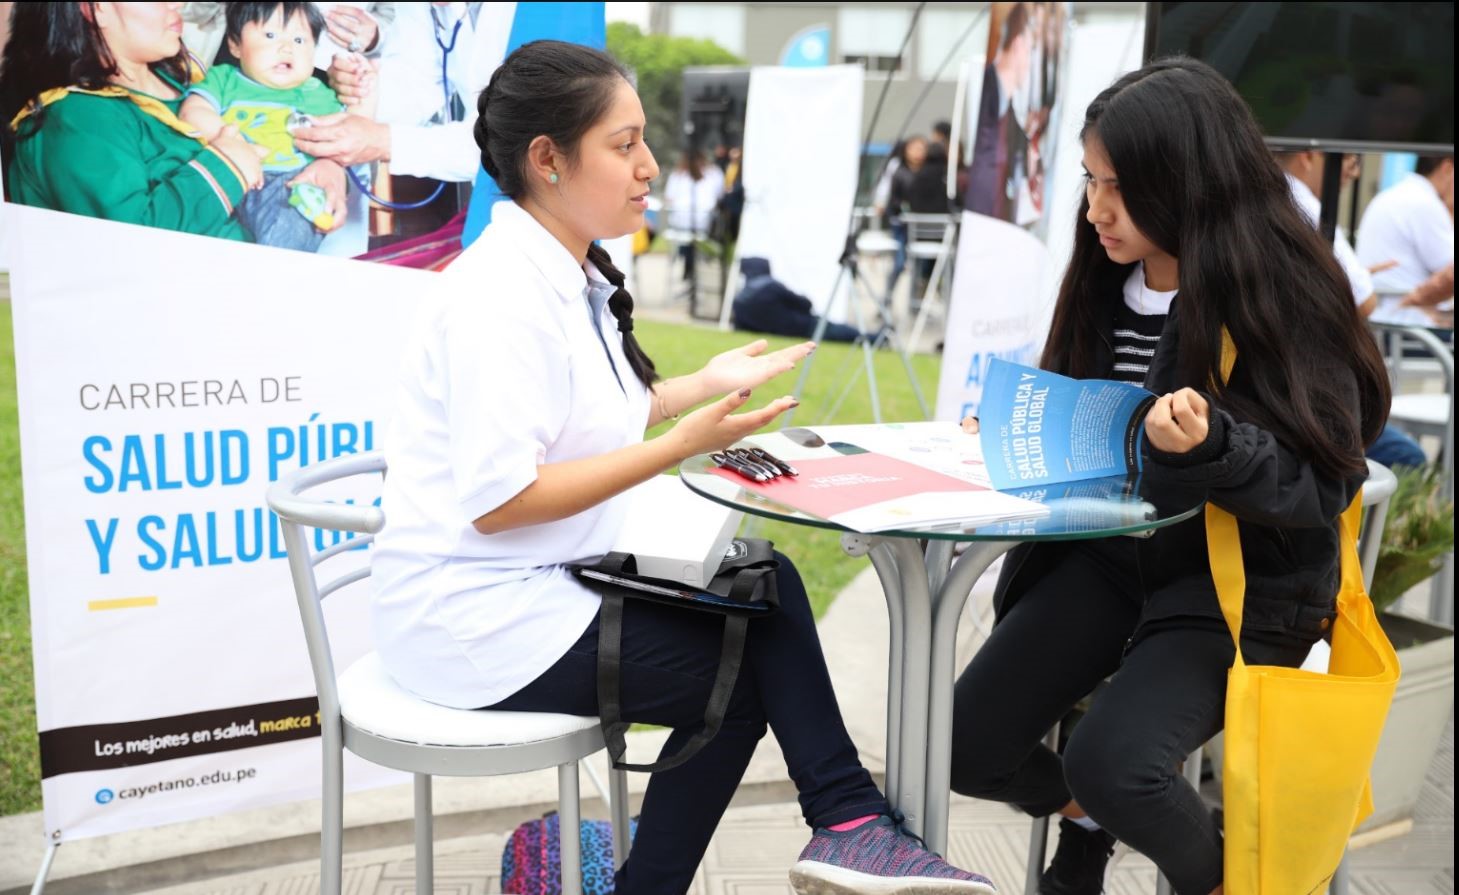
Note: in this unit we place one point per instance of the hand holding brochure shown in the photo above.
(1041, 428)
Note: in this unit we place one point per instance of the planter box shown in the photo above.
(1416, 722)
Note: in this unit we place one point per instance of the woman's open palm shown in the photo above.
(748, 366)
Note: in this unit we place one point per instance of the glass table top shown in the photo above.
(1092, 508)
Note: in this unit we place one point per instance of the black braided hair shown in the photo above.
(621, 304)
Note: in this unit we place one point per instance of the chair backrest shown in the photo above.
(296, 513)
(928, 227)
(1377, 491)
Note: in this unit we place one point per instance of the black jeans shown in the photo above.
(1167, 696)
(669, 658)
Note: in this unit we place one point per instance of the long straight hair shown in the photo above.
(1199, 183)
(559, 90)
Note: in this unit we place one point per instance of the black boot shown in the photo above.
(1079, 861)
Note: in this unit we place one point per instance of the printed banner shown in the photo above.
(163, 384)
(183, 338)
(1005, 272)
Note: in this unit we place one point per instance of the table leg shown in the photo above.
(884, 560)
(916, 651)
(947, 609)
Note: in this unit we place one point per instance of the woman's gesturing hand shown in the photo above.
(716, 426)
(1178, 422)
(749, 366)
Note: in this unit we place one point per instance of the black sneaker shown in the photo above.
(1079, 862)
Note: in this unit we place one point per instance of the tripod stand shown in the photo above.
(850, 272)
(851, 277)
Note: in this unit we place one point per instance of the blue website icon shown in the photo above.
(104, 795)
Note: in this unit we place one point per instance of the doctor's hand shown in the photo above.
(749, 367)
(716, 426)
(345, 139)
(1178, 422)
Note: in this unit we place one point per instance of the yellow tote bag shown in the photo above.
(1298, 744)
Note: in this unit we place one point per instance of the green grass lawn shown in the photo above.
(20, 769)
(675, 349)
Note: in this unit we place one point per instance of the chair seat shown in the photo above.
(924, 249)
(371, 700)
(1422, 410)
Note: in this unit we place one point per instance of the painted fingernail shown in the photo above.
(744, 393)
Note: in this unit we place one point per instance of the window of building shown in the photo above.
(872, 36)
(938, 32)
(723, 23)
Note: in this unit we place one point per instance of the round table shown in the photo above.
(926, 589)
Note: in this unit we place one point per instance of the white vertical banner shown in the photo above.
(801, 155)
(164, 381)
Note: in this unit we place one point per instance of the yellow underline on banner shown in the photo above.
(121, 603)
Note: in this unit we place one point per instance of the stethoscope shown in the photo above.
(446, 50)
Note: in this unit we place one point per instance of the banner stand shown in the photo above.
(851, 276)
(45, 871)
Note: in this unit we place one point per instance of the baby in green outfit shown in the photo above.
(272, 87)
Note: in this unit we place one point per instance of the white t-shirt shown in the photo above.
(1143, 300)
(691, 202)
(1359, 278)
(505, 372)
(1407, 223)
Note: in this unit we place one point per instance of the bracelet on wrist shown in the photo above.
(664, 407)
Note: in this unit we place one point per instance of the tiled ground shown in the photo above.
(755, 845)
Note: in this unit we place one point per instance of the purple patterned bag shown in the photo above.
(532, 860)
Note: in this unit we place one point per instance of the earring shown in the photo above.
(552, 178)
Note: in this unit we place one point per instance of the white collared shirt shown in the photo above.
(1407, 223)
(506, 372)
(1359, 278)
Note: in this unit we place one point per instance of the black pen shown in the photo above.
(726, 461)
(771, 458)
(748, 458)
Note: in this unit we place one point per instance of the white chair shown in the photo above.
(366, 712)
(1376, 493)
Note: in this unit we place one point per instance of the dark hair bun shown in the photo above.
(479, 131)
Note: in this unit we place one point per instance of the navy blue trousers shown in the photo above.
(669, 659)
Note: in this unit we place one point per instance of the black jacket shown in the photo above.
(1287, 512)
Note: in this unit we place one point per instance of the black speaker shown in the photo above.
(713, 111)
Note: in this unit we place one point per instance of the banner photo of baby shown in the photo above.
(340, 129)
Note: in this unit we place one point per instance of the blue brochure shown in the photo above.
(1040, 428)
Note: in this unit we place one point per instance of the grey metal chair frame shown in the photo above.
(1376, 493)
(1441, 600)
(296, 512)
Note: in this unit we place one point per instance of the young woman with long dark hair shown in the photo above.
(520, 419)
(1187, 229)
